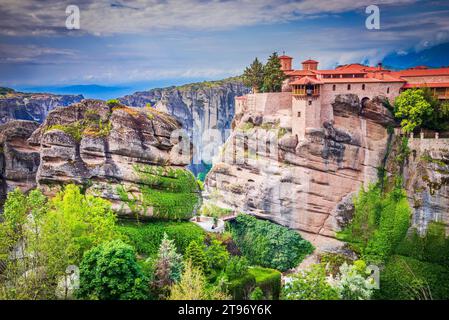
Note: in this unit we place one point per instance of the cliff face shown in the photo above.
(204, 109)
(426, 176)
(31, 106)
(18, 159)
(119, 153)
(307, 184)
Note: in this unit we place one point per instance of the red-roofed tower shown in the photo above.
(310, 65)
(286, 63)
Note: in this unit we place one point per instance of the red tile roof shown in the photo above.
(309, 61)
(300, 73)
(427, 84)
(285, 57)
(422, 72)
(359, 80)
(306, 80)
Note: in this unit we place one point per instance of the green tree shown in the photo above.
(22, 275)
(310, 284)
(193, 286)
(413, 108)
(216, 255)
(273, 76)
(253, 75)
(74, 224)
(110, 272)
(195, 254)
(168, 267)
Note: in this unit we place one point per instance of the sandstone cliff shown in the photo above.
(123, 154)
(31, 106)
(199, 107)
(307, 184)
(18, 159)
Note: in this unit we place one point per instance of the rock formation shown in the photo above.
(426, 176)
(129, 156)
(18, 159)
(306, 184)
(199, 107)
(31, 106)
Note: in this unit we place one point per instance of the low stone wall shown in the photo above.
(429, 144)
(269, 103)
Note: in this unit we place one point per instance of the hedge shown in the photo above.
(269, 280)
(146, 238)
(241, 288)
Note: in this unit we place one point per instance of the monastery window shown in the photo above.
(388, 90)
(267, 147)
(299, 114)
(349, 87)
(334, 87)
(363, 86)
(310, 102)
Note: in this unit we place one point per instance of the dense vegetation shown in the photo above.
(146, 238)
(72, 246)
(267, 244)
(413, 266)
(165, 193)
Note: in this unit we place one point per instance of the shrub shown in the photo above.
(110, 271)
(268, 280)
(146, 238)
(333, 261)
(405, 278)
(196, 256)
(193, 286)
(236, 267)
(240, 288)
(432, 247)
(113, 103)
(310, 284)
(352, 282)
(216, 255)
(267, 244)
(256, 294)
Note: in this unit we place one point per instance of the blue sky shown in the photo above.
(158, 41)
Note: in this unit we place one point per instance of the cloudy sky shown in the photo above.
(122, 42)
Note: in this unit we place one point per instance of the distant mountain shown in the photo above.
(31, 106)
(436, 56)
(93, 91)
(106, 92)
(199, 107)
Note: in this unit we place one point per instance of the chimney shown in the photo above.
(379, 66)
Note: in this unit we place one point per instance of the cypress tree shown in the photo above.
(273, 75)
(253, 75)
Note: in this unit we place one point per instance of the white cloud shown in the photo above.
(138, 16)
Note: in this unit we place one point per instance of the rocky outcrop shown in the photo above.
(199, 107)
(426, 179)
(304, 184)
(19, 160)
(132, 157)
(31, 106)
